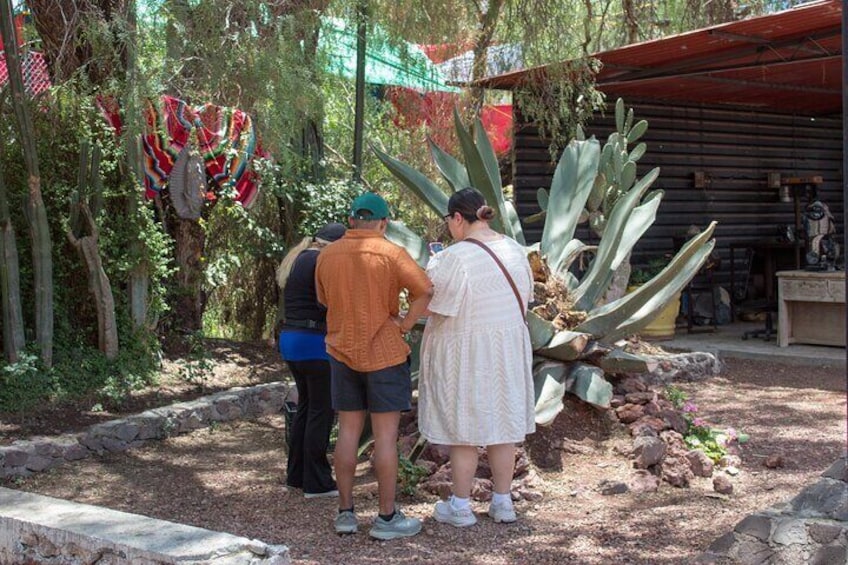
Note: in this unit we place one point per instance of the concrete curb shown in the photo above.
(40, 529)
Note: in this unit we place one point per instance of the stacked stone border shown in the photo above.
(811, 529)
(24, 457)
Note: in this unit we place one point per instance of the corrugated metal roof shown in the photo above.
(789, 61)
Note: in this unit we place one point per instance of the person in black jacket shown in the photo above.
(302, 347)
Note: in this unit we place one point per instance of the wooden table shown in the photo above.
(811, 307)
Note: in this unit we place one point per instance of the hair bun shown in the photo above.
(485, 212)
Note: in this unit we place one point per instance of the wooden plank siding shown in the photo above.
(736, 149)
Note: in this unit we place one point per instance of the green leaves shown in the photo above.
(420, 185)
(573, 180)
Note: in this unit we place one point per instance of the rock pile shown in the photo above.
(658, 429)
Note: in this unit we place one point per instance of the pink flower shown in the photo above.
(690, 407)
(699, 423)
(731, 433)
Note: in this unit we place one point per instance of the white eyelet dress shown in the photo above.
(476, 382)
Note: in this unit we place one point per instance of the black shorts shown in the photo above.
(386, 390)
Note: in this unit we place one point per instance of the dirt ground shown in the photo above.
(230, 477)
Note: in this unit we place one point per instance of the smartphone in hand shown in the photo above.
(435, 247)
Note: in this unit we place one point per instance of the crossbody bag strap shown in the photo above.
(511, 282)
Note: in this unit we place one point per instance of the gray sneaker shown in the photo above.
(398, 527)
(346, 523)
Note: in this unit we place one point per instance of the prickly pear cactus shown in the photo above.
(571, 326)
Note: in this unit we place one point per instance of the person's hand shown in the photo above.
(399, 321)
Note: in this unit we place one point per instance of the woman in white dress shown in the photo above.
(476, 382)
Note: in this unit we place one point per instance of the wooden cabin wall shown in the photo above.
(735, 149)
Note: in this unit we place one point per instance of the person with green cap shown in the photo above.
(359, 279)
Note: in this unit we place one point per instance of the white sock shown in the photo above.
(459, 503)
(499, 499)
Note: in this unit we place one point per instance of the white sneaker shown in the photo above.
(502, 513)
(447, 514)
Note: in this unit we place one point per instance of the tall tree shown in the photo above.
(36, 213)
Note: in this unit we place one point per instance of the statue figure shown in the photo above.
(822, 248)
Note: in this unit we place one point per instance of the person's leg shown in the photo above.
(349, 393)
(295, 465)
(463, 460)
(389, 393)
(385, 428)
(502, 462)
(317, 475)
(344, 457)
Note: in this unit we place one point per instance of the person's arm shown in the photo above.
(417, 309)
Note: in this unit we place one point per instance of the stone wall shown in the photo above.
(811, 529)
(24, 457)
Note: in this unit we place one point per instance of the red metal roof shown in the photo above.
(789, 61)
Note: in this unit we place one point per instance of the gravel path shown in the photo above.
(229, 478)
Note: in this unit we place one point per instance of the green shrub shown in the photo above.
(24, 384)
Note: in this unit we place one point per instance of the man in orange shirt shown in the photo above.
(359, 278)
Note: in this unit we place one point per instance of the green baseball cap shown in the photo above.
(369, 206)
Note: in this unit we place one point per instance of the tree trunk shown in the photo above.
(10, 288)
(487, 22)
(98, 283)
(189, 241)
(35, 211)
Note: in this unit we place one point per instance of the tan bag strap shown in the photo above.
(491, 253)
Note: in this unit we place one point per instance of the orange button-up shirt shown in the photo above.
(359, 279)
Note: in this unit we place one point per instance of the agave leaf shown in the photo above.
(588, 383)
(636, 310)
(414, 244)
(565, 346)
(550, 381)
(641, 218)
(591, 287)
(452, 170)
(420, 185)
(659, 300)
(571, 185)
(580, 135)
(542, 198)
(620, 361)
(541, 330)
(637, 132)
(638, 151)
(514, 222)
(479, 175)
(487, 153)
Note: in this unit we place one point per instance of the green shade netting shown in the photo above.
(385, 63)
